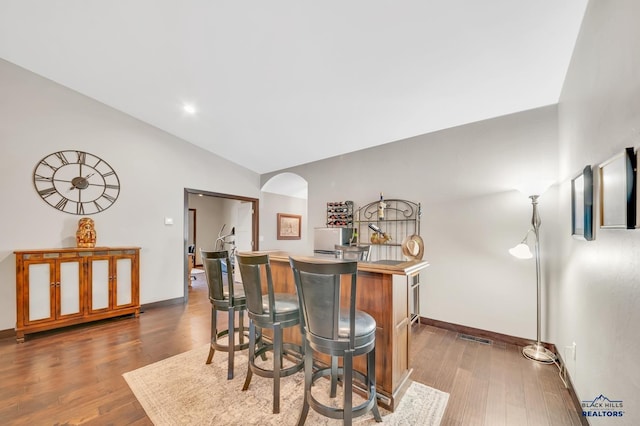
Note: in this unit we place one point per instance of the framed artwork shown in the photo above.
(289, 226)
(582, 205)
(618, 191)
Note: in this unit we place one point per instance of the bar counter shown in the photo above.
(384, 290)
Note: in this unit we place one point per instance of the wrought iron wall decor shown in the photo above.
(401, 220)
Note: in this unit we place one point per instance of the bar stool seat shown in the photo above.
(284, 304)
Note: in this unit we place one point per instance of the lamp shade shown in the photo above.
(521, 251)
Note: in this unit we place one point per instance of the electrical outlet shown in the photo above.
(573, 350)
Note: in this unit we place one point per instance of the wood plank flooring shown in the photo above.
(74, 376)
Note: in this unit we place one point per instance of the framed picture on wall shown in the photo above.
(289, 226)
(582, 205)
(618, 202)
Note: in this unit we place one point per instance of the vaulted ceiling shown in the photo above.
(278, 83)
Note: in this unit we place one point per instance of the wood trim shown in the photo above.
(162, 303)
(491, 335)
(7, 333)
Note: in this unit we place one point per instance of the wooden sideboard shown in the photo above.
(66, 286)
(385, 291)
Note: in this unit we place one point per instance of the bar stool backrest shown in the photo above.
(253, 268)
(212, 263)
(318, 286)
(352, 252)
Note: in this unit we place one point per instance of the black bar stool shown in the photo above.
(275, 311)
(336, 332)
(352, 252)
(227, 298)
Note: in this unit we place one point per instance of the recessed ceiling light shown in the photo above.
(189, 109)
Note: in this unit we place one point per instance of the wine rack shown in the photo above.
(401, 218)
(340, 214)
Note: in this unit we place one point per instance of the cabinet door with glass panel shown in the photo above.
(52, 289)
(111, 279)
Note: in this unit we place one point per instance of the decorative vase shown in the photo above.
(86, 234)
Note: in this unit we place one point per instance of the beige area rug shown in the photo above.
(183, 390)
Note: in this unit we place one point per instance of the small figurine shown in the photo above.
(86, 234)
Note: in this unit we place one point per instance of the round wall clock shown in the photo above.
(76, 182)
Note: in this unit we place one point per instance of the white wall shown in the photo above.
(40, 117)
(464, 179)
(596, 292)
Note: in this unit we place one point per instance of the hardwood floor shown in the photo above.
(489, 384)
(74, 375)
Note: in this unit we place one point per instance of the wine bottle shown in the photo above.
(381, 206)
(354, 237)
(375, 228)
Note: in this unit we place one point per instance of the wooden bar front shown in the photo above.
(383, 292)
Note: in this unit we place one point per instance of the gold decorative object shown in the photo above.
(86, 234)
(377, 238)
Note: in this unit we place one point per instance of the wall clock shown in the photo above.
(76, 182)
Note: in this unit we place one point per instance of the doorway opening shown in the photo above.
(216, 214)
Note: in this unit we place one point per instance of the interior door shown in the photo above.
(244, 227)
(244, 230)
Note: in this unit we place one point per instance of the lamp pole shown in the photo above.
(537, 352)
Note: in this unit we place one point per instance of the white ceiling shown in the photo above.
(278, 83)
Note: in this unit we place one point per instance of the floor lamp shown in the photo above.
(536, 352)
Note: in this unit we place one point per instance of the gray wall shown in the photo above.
(40, 117)
(272, 204)
(596, 288)
(464, 178)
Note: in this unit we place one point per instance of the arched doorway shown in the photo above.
(285, 193)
